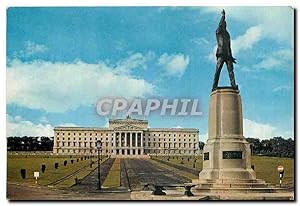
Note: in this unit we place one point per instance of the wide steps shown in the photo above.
(232, 185)
(239, 190)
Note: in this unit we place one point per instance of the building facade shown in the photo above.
(126, 138)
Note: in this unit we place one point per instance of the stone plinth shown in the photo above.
(226, 154)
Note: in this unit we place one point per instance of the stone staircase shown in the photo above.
(240, 189)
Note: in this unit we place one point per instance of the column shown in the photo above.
(115, 142)
(126, 143)
(136, 139)
(136, 143)
(131, 152)
(142, 144)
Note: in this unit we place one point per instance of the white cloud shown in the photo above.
(134, 61)
(16, 126)
(174, 64)
(247, 40)
(263, 131)
(58, 87)
(276, 60)
(32, 48)
(19, 127)
(277, 23)
(257, 130)
(203, 137)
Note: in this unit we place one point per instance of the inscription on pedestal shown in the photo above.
(232, 155)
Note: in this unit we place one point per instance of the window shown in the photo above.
(68, 133)
(63, 133)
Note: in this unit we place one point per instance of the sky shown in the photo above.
(61, 61)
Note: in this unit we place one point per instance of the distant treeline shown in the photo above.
(275, 147)
(29, 143)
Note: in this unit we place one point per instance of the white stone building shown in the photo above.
(126, 138)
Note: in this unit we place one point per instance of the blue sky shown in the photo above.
(60, 61)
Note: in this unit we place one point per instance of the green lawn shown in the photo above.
(114, 175)
(265, 167)
(34, 163)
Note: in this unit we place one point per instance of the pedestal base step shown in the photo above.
(235, 186)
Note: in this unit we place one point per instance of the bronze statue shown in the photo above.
(224, 54)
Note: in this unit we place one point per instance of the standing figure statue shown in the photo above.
(224, 54)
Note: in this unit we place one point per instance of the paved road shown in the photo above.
(141, 171)
(90, 182)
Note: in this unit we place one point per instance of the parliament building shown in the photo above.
(126, 138)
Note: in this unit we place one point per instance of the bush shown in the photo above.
(65, 163)
(43, 168)
(56, 165)
(23, 173)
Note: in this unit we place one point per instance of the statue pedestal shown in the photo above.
(226, 154)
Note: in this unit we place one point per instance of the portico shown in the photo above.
(128, 143)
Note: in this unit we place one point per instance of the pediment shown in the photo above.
(128, 127)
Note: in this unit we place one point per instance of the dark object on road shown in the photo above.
(43, 168)
(158, 190)
(56, 165)
(188, 188)
(23, 173)
(146, 187)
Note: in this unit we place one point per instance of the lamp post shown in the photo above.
(99, 146)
